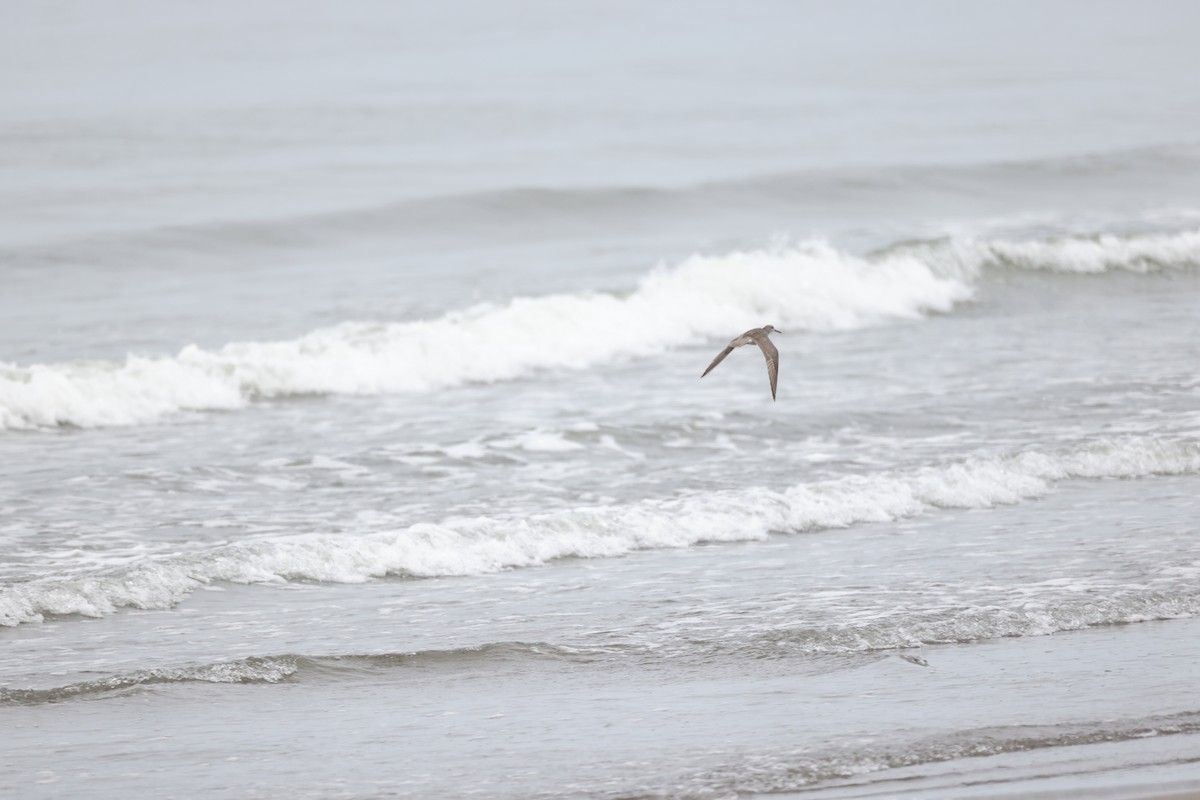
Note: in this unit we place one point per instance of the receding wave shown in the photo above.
(484, 544)
(794, 771)
(806, 286)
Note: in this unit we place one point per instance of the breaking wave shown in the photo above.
(806, 286)
(485, 544)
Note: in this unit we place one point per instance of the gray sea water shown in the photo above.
(353, 445)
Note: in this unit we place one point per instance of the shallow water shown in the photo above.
(352, 442)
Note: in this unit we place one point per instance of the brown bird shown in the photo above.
(759, 337)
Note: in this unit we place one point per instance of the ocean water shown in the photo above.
(353, 444)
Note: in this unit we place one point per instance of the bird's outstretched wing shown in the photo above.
(772, 356)
(720, 357)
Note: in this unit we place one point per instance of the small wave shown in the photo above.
(808, 286)
(1074, 254)
(505, 211)
(247, 670)
(485, 544)
(1018, 616)
(771, 773)
(275, 669)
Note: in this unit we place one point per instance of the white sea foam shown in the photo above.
(804, 287)
(538, 441)
(483, 545)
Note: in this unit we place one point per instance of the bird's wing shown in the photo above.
(772, 356)
(720, 357)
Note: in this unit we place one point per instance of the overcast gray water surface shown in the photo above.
(352, 441)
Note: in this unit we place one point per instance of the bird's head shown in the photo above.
(771, 329)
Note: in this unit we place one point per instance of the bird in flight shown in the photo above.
(759, 337)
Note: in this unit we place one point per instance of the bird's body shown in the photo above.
(759, 337)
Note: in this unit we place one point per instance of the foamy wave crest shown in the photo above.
(482, 545)
(807, 286)
(1076, 254)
